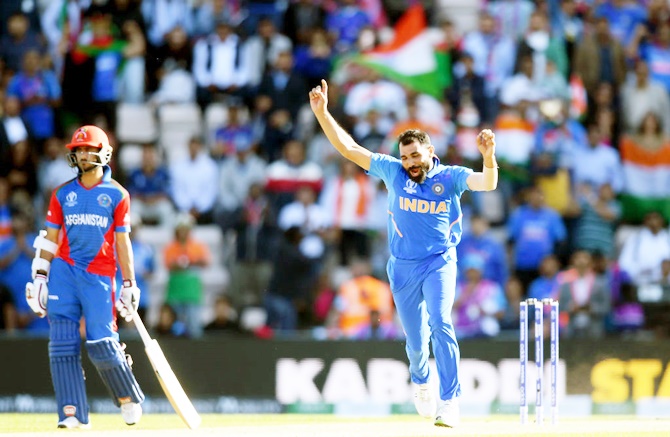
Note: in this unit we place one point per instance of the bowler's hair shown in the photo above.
(411, 135)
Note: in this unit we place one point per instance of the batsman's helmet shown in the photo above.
(91, 136)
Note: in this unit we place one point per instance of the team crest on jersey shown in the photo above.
(71, 199)
(438, 189)
(104, 200)
(410, 187)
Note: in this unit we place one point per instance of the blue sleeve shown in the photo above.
(52, 85)
(460, 178)
(13, 88)
(385, 167)
(558, 227)
(513, 225)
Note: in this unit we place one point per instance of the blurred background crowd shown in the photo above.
(246, 220)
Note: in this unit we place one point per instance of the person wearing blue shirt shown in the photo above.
(479, 241)
(424, 227)
(535, 230)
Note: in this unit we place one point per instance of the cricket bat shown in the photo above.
(169, 382)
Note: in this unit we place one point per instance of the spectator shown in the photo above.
(344, 24)
(542, 47)
(286, 175)
(39, 93)
(479, 241)
(16, 256)
(598, 212)
(235, 135)
(645, 156)
(262, 49)
(288, 294)
(479, 304)
(656, 53)
(566, 25)
(346, 199)
(8, 317)
(547, 284)
(641, 96)
(209, 12)
(600, 58)
(168, 325)
(312, 220)
(19, 40)
(358, 298)
(598, 164)
(184, 257)
(53, 168)
(623, 17)
(169, 69)
(94, 65)
(132, 77)
(237, 172)
(494, 57)
(145, 265)
(5, 210)
(467, 90)
(149, 187)
(536, 231)
(514, 294)
(256, 246)
(584, 300)
(642, 251)
(13, 127)
(62, 22)
(225, 316)
(512, 18)
(193, 190)
(285, 87)
(315, 58)
(378, 329)
(302, 19)
(161, 16)
(20, 169)
(218, 65)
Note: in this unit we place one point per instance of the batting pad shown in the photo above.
(114, 370)
(67, 374)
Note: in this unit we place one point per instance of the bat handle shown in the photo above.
(139, 325)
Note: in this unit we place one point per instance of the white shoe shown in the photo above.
(448, 413)
(131, 413)
(424, 400)
(72, 423)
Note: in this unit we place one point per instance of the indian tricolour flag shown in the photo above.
(646, 180)
(411, 57)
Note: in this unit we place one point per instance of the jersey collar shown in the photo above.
(435, 170)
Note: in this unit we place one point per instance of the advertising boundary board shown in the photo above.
(229, 373)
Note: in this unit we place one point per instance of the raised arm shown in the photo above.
(487, 179)
(338, 137)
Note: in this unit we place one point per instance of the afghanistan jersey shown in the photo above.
(88, 219)
(424, 219)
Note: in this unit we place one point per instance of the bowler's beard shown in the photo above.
(420, 178)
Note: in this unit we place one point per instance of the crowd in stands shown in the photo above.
(576, 91)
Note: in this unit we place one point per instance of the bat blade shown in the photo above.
(171, 386)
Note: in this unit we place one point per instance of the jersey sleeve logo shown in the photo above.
(438, 189)
(410, 187)
(104, 200)
(71, 199)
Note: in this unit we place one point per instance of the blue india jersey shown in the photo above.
(424, 219)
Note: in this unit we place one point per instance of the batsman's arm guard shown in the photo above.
(42, 244)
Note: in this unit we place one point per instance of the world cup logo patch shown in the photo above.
(438, 189)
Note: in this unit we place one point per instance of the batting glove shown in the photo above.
(129, 300)
(37, 295)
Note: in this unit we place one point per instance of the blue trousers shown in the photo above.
(423, 292)
(74, 292)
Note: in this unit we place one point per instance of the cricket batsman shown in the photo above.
(88, 222)
(424, 227)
